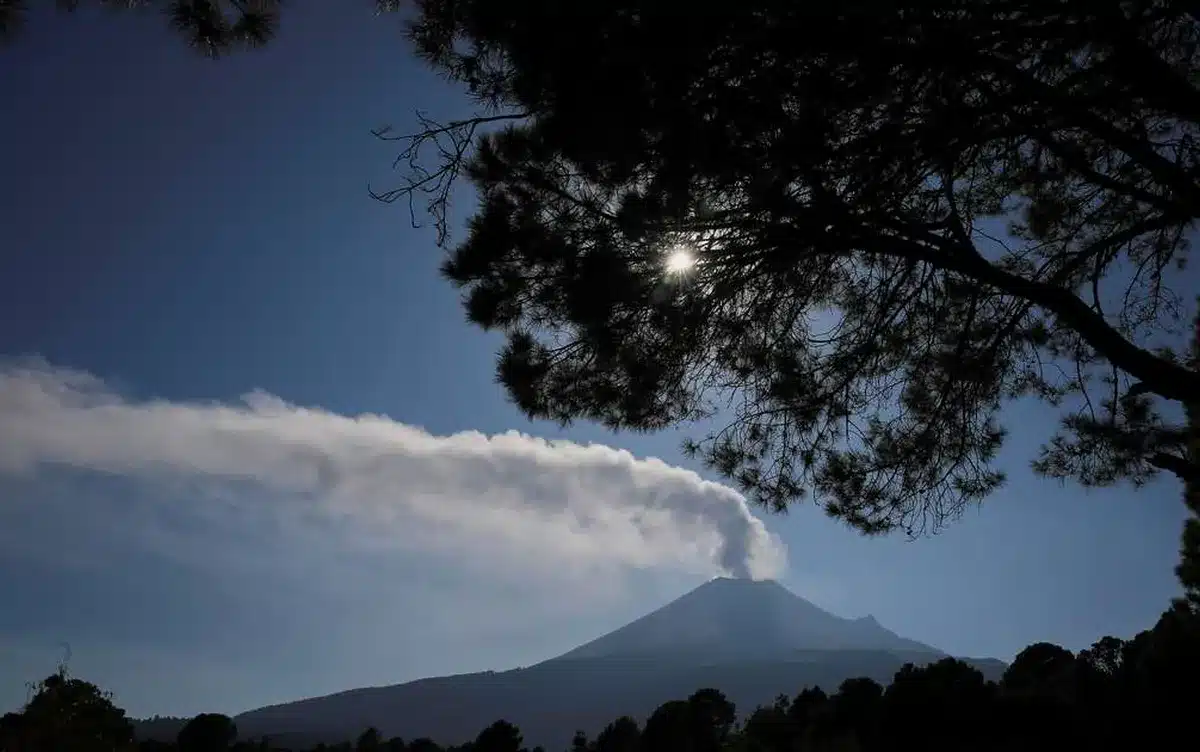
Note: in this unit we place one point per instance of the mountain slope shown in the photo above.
(751, 640)
(729, 619)
(549, 702)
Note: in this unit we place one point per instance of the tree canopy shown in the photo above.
(212, 27)
(66, 714)
(207, 732)
(850, 236)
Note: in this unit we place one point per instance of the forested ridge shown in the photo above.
(1119, 693)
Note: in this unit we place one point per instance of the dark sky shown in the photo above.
(179, 232)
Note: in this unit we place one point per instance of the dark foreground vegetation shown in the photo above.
(1118, 694)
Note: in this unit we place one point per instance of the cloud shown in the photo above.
(394, 485)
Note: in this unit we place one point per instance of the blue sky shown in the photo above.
(178, 233)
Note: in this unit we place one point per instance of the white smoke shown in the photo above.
(399, 484)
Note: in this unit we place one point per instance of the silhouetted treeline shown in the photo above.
(1118, 694)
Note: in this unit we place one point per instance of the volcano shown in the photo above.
(753, 640)
(726, 620)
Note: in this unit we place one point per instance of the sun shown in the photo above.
(680, 261)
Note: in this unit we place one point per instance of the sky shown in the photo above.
(251, 451)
